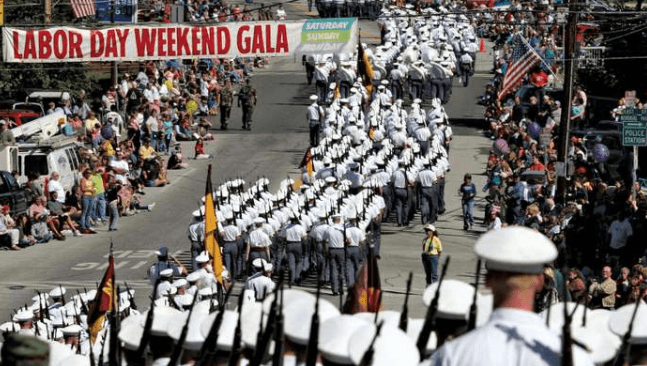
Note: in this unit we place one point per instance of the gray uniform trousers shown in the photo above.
(230, 255)
(354, 261)
(428, 202)
(294, 251)
(337, 264)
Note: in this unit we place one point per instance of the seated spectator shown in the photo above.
(9, 235)
(38, 214)
(199, 150)
(24, 229)
(151, 171)
(60, 214)
(176, 161)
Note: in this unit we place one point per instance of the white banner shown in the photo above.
(137, 43)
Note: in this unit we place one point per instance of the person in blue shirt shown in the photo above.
(467, 191)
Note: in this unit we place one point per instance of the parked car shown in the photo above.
(45, 97)
(11, 194)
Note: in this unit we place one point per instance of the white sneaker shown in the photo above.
(67, 232)
(151, 206)
(77, 233)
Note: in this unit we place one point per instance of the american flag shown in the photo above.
(523, 59)
(83, 8)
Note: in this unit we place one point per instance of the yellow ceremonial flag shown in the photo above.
(364, 69)
(1, 12)
(308, 163)
(211, 229)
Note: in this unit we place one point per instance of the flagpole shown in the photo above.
(539, 56)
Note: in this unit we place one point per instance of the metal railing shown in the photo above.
(587, 57)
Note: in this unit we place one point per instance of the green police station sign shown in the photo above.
(634, 127)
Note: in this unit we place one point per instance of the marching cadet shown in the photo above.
(355, 238)
(321, 79)
(71, 335)
(334, 249)
(317, 238)
(196, 235)
(57, 309)
(230, 235)
(515, 259)
(261, 282)
(203, 276)
(258, 242)
(426, 179)
(247, 100)
(294, 234)
(401, 183)
(162, 264)
(315, 117)
(225, 100)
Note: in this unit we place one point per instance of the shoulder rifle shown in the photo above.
(404, 315)
(471, 323)
(210, 345)
(430, 319)
(175, 357)
(234, 356)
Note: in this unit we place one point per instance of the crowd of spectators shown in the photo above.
(214, 11)
(599, 225)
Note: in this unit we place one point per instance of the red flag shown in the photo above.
(366, 293)
(83, 8)
(104, 301)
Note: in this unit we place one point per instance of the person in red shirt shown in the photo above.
(537, 166)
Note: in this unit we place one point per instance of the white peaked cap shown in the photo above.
(226, 331)
(74, 360)
(619, 322)
(515, 249)
(131, 331)
(162, 316)
(455, 299)
(335, 335)
(194, 337)
(556, 321)
(289, 296)
(298, 317)
(390, 317)
(392, 346)
(59, 352)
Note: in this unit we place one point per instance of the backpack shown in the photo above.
(243, 95)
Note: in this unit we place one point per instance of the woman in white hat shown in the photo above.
(432, 248)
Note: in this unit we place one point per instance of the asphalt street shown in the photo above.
(272, 149)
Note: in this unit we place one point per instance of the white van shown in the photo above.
(58, 154)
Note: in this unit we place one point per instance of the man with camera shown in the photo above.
(603, 295)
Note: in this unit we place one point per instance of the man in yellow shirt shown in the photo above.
(432, 248)
(99, 206)
(146, 151)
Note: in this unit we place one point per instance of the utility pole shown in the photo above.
(564, 124)
(113, 64)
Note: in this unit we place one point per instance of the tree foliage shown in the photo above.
(625, 66)
(17, 80)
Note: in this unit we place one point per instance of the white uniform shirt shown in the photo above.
(510, 337)
(230, 233)
(258, 238)
(335, 236)
(355, 236)
(293, 232)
